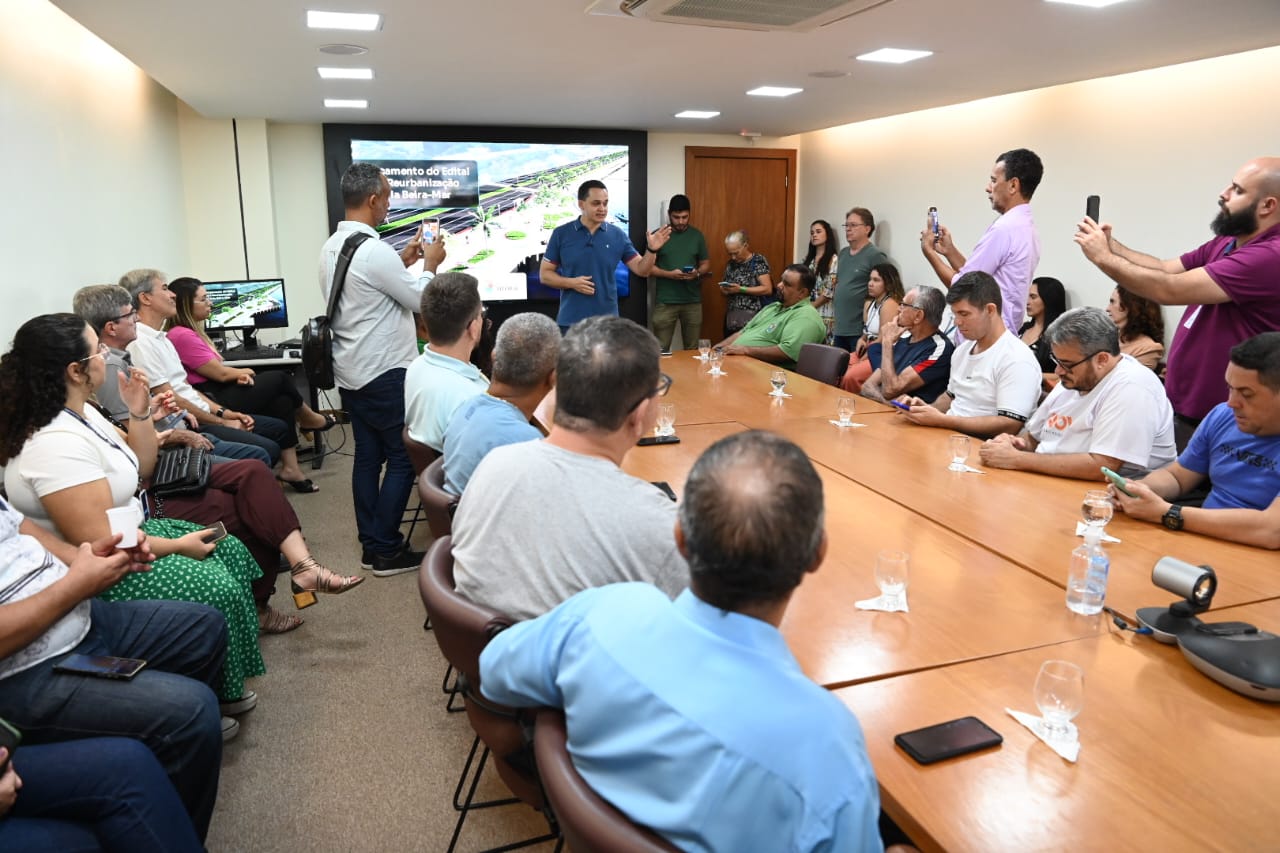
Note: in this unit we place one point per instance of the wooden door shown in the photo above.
(732, 189)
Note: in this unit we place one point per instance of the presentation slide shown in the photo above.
(495, 203)
(247, 304)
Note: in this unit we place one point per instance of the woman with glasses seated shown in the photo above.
(269, 394)
(66, 465)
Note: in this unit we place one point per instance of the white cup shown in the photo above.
(125, 520)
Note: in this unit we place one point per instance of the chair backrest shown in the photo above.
(589, 824)
(420, 455)
(437, 504)
(823, 363)
(463, 628)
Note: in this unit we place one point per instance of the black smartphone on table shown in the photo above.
(657, 439)
(101, 666)
(948, 740)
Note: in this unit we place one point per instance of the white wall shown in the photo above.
(1157, 145)
(92, 173)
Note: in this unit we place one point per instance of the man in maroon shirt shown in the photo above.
(1230, 285)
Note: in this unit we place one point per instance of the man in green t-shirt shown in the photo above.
(778, 331)
(853, 268)
(679, 268)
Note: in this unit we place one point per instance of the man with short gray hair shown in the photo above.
(543, 520)
(1107, 410)
(921, 362)
(524, 372)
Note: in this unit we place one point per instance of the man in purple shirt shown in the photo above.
(1230, 285)
(1010, 248)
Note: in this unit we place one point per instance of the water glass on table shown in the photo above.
(778, 379)
(717, 359)
(1097, 508)
(892, 570)
(704, 348)
(958, 449)
(844, 411)
(666, 424)
(1059, 695)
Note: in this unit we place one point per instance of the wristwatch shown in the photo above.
(1173, 518)
(221, 411)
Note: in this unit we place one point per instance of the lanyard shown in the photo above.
(132, 460)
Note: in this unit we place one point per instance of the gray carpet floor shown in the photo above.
(350, 747)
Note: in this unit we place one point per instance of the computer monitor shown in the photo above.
(246, 306)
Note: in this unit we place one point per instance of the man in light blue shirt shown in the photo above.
(692, 717)
(524, 372)
(440, 379)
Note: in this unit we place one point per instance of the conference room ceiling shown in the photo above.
(549, 63)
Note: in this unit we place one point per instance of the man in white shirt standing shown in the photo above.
(1108, 410)
(995, 379)
(443, 377)
(373, 343)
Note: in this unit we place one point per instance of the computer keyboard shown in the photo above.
(256, 353)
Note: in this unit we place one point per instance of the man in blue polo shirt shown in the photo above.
(582, 257)
(921, 363)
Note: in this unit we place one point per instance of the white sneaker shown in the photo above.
(244, 704)
(230, 728)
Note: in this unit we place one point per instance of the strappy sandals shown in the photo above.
(272, 621)
(326, 581)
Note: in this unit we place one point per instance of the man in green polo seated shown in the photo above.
(778, 331)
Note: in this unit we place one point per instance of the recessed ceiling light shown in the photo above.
(774, 91)
(895, 55)
(1092, 4)
(346, 103)
(346, 73)
(366, 22)
(698, 114)
(343, 49)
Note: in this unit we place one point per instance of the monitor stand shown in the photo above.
(249, 339)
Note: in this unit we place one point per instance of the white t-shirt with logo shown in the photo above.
(1127, 415)
(1003, 379)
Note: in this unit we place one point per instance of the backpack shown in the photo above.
(317, 334)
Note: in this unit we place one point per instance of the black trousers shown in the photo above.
(272, 394)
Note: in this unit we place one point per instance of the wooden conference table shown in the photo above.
(1165, 762)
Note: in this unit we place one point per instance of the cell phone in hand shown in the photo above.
(11, 737)
(430, 230)
(214, 532)
(687, 269)
(101, 666)
(948, 740)
(1092, 205)
(933, 221)
(1117, 481)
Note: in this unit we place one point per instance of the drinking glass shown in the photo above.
(844, 410)
(958, 445)
(891, 575)
(1097, 508)
(717, 358)
(778, 379)
(704, 347)
(666, 419)
(1060, 697)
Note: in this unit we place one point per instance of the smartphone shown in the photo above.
(101, 666)
(172, 421)
(933, 220)
(898, 405)
(687, 269)
(948, 740)
(1117, 481)
(1091, 206)
(658, 439)
(215, 532)
(665, 488)
(430, 230)
(11, 737)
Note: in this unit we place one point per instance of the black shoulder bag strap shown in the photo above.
(340, 271)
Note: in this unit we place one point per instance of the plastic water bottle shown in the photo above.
(1087, 576)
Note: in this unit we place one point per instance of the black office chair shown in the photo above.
(824, 363)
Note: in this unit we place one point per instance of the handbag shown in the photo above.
(181, 471)
(317, 334)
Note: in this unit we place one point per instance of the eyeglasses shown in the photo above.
(103, 349)
(131, 314)
(848, 225)
(910, 305)
(1068, 366)
(664, 385)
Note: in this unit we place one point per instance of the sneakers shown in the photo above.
(230, 728)
(404, 560)
(366, 559)
(244, 704)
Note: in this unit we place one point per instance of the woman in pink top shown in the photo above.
(270, 394)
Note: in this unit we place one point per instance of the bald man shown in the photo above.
(1230, 285)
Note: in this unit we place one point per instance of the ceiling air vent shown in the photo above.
(793, 15)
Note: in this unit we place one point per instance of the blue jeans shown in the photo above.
(263, 438)
(169, 706)
(95, 794)
(236, 450)
(377, 420)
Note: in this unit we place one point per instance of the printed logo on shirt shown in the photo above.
(1058, 422)
(1246, 457)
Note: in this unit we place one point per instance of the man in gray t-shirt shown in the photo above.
(542, 520)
